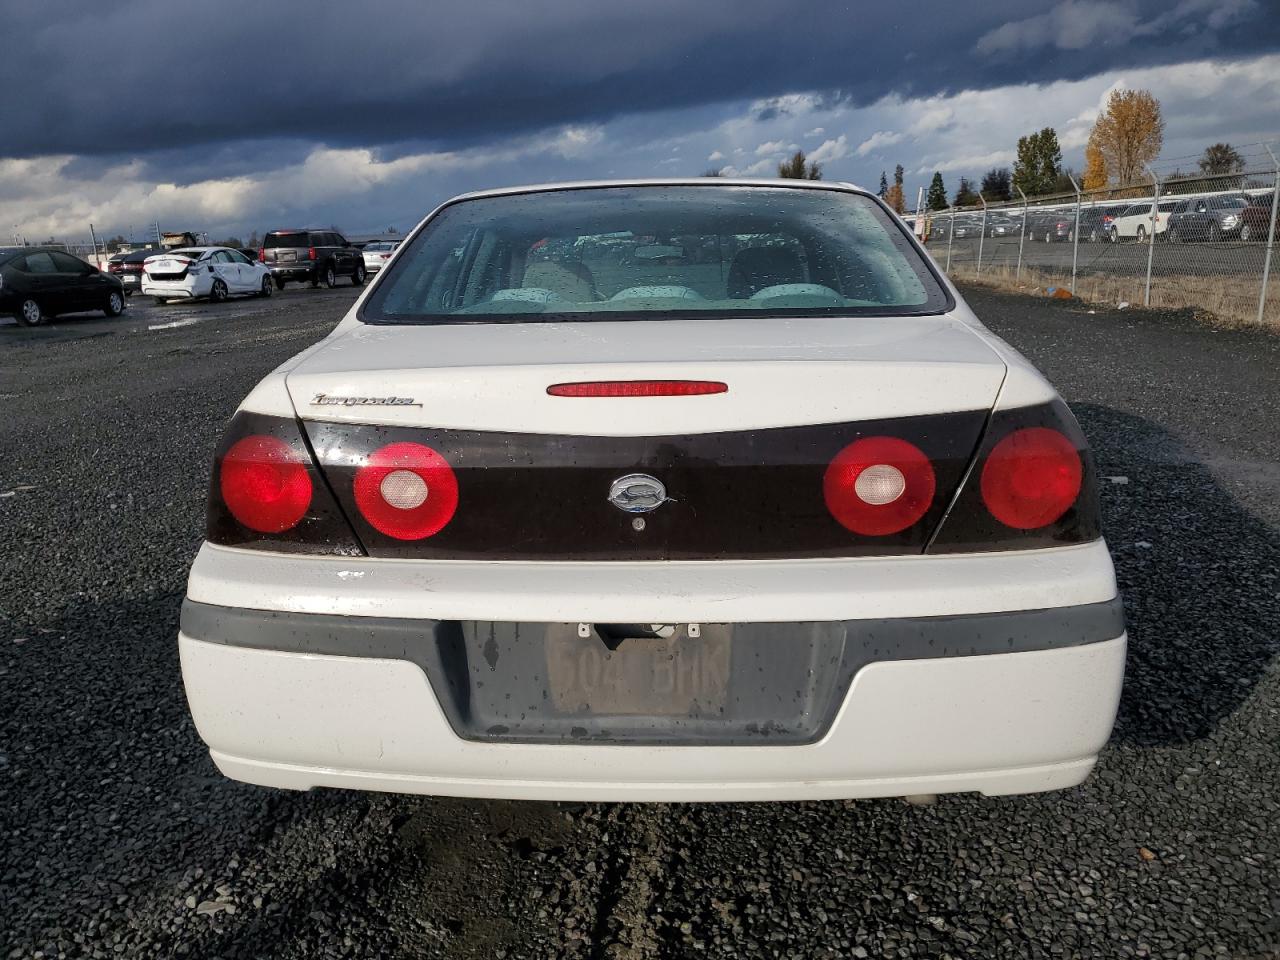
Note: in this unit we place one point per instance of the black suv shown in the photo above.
(321, 256)
(1206, 218)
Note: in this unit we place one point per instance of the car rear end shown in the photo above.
(289, 255)
(127, 268)
(177, 275)
(791, 554)
(376, 255)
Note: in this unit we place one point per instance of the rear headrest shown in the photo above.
(571, 279)
(755, 268)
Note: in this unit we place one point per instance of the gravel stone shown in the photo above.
(120, 838)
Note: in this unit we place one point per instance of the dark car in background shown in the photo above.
(318, 256)
(1255, 219)
(1051, 225)
(1001, 226)
(38, 283)
(1206, 218)
(1095, 221)
(127, 268)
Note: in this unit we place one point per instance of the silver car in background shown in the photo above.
(377, 254)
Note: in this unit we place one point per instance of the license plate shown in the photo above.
(676, 675)
(286, 255)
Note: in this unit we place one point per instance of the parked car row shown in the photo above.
(307, 256)
(1176, 219)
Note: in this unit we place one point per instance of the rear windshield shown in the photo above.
(656, 252)
(295, 240)
(189, 254)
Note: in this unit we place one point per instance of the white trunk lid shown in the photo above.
(780, 372)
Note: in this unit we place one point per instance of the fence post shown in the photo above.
(951, 234)
(1022, 234)
(1075, 235)
(982, 234)
(1271, 237)
(1151, 235)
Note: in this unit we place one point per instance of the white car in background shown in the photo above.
(215, 273)
(1135, 223)
(770, 515)
(377, 254)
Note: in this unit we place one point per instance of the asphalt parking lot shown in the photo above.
(1229, 258)
(121, 839)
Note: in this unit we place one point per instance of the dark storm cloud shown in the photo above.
(116, 79)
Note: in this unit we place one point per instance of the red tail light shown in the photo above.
(262, 254)
(637, 388)
(407, 491)
(1031, 478)
(879, 485)
(265, 484)
(311, 253)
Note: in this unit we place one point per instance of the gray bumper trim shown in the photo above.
(813, 663)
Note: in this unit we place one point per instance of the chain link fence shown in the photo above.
(1172, 240)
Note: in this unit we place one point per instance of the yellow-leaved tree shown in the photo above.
(1095, 167)
(1129, 134)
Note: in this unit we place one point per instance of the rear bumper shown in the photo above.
(998, 724)
(187, 289)
(303, 271)
(306, 672)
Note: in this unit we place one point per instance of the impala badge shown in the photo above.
(637, 493)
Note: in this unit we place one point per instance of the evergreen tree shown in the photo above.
(965, 195)
(1039, 162)
(797, 169)
(884, 185)
(937, 196)
(997, 185)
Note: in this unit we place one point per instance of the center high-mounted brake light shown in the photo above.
(407, 491)
(638, 388)
(877, 486)
(265, 484)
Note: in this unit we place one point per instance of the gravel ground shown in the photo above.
(121, 839)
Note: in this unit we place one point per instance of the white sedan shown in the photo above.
(768, 516)
(377, 254)
(210, 272)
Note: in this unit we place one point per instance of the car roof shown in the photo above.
(183, 250)
(709, 182)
